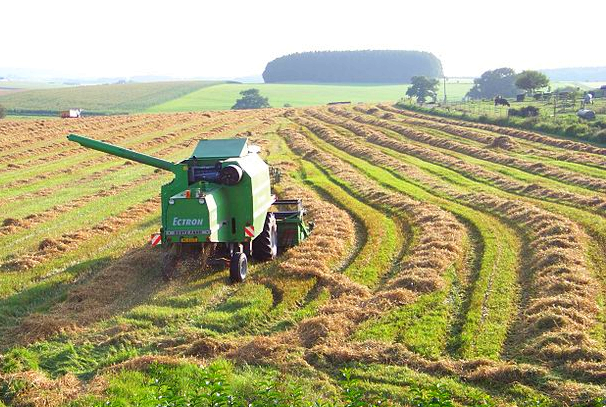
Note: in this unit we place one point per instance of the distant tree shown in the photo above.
(2, 112)
(422, 88)
(493, 83)
(251, 99)
(531, 80)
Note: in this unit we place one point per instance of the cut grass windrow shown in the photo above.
(550, 171)
(431, 255)
(504, 143)
(381, 241)
(561, 309)
(526, 135)
(470, 170)
(98, 179)
(487, 318)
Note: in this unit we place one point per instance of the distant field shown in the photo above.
(101, 98)
(221, 97)
(32, 85)
(180, 96)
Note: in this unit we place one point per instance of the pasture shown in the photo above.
(450, 264)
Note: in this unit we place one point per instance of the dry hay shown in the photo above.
(563, 289)
(526, 135)
(35, 389)
(423, 270)
(503, 142)
(594, 202)
(113, 288)
(50, 248)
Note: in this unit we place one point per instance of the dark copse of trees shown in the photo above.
(493, 83)
(251, 99)
(353, 67)
(2, 112)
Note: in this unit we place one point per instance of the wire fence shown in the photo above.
(551, 107)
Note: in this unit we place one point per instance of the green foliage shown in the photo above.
(251, 99)
(18, 359)
(436, 396)
(218, 385)
(531, 80)
(422, 88)
(493, 83)
(527, 111)
(369, 66)
(2, 112)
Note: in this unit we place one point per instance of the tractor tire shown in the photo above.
(265, 246)
(238, 266)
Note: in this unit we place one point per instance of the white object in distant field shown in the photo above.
(75, 113)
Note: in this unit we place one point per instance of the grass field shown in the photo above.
(449, 265)
(222, 97)
(115, 98)
(198, 96)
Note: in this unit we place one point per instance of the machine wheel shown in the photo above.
(265, 246)
(238, 266)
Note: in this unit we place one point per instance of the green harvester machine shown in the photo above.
(219, 199)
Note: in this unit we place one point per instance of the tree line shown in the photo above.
(371, 66)
(506, 83)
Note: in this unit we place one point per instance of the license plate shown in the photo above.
(189, 239)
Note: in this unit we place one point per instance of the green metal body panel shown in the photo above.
(203, 210)
(220, 148)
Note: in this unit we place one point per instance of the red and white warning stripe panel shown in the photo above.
(249, 231)
(156, 239)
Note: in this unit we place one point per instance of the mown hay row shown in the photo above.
(440, 234)
(505, 142)
(11, 225)
(594, 203)
(561, 309)
(497, 321)
(49, 248)
(481, 153)
(118, 130)
(526, 135)
(481, 371)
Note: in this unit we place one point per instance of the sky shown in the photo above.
(180, 38)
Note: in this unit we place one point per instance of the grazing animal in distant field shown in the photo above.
(501, 101)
